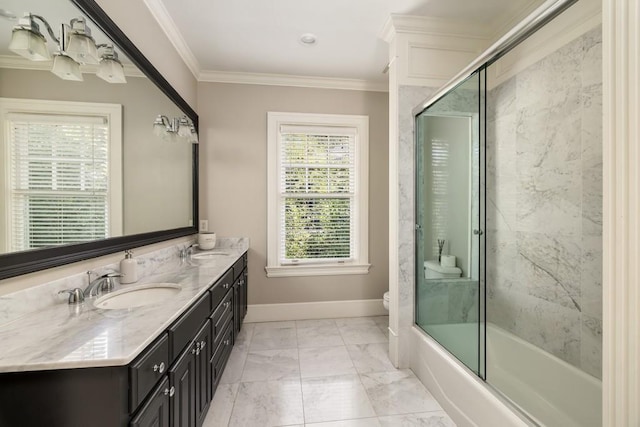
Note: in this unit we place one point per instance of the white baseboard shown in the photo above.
(314, 310)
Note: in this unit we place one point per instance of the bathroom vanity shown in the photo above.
(155, 365)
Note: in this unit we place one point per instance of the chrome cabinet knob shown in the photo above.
(226, 286)
(159, 368)
(202, 344)
(170, 391)
(227, 342)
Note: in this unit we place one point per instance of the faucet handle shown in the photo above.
(76, 295)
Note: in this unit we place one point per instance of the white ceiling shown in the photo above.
(262, 36)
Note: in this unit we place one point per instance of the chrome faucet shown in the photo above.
(101, 285)
(184, 253)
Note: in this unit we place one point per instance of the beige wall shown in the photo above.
(143, 30)
(233, 196)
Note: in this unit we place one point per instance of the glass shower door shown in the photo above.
(449, 222)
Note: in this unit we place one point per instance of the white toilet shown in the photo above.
(385, 300)
(433, 270)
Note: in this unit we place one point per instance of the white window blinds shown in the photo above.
(317, 189)
(59, 179)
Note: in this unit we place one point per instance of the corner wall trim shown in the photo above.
(314, 310)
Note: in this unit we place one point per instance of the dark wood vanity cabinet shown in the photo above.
(170, 384)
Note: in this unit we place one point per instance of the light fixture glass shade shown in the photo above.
(82, 49)
(111, 70)
(29, 44)
(184, 128)
(66, 68)
(159, 128)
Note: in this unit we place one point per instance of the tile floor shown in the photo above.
(320, 373)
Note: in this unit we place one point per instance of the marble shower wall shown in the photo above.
(544, 203)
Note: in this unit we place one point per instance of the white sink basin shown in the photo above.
(150, 293)
(208, 255)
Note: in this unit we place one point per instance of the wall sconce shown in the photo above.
(177, 128)
(75, 47)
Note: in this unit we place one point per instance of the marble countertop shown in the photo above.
(62, 336)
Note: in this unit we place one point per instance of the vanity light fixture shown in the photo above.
(180, 129)
(66, 68)
(27, 40)
(110, 68)
(79, 44)
(76, 46)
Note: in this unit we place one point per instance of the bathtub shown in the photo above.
(548, 391)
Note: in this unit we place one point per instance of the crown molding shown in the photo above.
(166, 22)
(292, 80)
(428, 25)
(20, 63)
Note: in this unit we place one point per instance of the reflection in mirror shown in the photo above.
(81, 155)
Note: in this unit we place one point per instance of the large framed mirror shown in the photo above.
(98, 152)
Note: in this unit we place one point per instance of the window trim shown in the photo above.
(113, 113)
(360, 265)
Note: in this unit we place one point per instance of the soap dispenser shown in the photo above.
(128, 268)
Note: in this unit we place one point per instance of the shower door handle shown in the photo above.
(478, 232)
(418, 227)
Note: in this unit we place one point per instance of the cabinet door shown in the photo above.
(203, 375)
(236, 309)
(155, 412)
(182, 376)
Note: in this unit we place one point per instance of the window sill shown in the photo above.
(317, 270)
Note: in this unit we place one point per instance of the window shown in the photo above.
(63, 173)
(317, 194)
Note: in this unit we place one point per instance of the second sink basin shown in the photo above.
(208, 255)
(138, 296)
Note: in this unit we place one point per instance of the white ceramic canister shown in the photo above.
(206, 240)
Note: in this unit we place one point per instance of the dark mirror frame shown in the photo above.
(18, 263)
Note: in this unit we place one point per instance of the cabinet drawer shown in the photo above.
(221, 355)
(155, 411)
(220, 288)
(147, 369)
(221, 316)
(183, 330)
(238, 267)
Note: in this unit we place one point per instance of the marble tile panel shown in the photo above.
(362, 334)
(398, 392)
(591, 123)
(592, 197)
(325, 362)
(426, 419)
(591, 346)
(271, 365)
(550, 266)
(433, 302)
(362, 422)
(370, 357)
(235, 366)
(463, 301)
(319, 336)
(335, 398)
(243, 340)
(501, 100)
(549, 326)
(274, 337)
(221, 406)
(502, 258)
(314, 323)
(591, 281)
(270, 403)
(591, 67)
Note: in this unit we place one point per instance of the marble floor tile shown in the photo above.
(361, 422)
(398, 392)
(322, 335)
(270, 403)
(362, 334)
(235, 365)
(325, 361)
(243, 339)
(274, 325)
(370, 357)
(352, 321)
(273, 337)
(221, 406)
(335, 398)
(427, 419)
(314, 323)
(266, 365)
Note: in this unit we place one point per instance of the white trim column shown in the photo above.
(621, 239)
